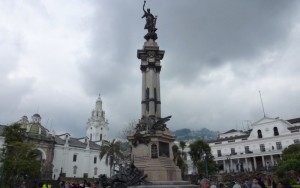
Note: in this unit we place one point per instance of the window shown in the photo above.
(262, 147)
(276, 133)
(247, 150)
(91, 136)
(219, 153)
(296, 141)
(259, 134)
(278, 145)
(233, 151)
(100, 137)
(74, 157)
(95, 160)
(74, 169)
(95, 171)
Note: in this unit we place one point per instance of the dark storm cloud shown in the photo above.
(113, 48)
(210, 33)
(218, 55)
(197, 36)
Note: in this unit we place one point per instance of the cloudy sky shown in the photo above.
(56, 56)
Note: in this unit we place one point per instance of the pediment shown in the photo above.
(265, 120)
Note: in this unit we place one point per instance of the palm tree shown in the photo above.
(182, 145)
(111, 151)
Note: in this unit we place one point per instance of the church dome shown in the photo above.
(37, 129)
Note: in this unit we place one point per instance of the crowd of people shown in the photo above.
(61, 184)
(255, 182)
(84, 184)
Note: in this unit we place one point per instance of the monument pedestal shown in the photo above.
(155, 157)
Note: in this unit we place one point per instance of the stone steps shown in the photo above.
(143, 161)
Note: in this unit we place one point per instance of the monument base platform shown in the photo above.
(167, 184)
(159, 169)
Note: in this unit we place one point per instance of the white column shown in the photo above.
(230, 166)
(272, 160)
(255, 165)
(246, 164)
(263, 161)
(224, 165)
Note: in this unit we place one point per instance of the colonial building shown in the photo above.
(259, 148)
(79, 157)
(65, 156)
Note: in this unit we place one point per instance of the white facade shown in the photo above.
(77, 157)
(259, 148)
(97, 125)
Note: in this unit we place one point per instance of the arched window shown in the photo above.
(259, 133)
(95, 171)
(276, 133)
(154, 151)
(74, 169)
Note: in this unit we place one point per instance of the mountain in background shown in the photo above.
(203, 134)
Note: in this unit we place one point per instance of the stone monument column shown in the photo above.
(151, 140)
(150, 57)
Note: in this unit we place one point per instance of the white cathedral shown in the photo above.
(65, 156)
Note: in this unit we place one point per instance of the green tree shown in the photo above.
(289, 166)
(202, 158)
(19, 159)
(112, 152)
(14, 133)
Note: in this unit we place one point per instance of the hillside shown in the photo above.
(203, 134)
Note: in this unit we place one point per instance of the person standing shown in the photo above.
(255, 183)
